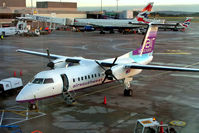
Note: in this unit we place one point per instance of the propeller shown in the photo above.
(108, 72)
(50, 64)
(48, 54)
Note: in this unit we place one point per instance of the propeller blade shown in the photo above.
(114, 77)
(100, 65)
(48, 53)
(104, 79)
(115, 60)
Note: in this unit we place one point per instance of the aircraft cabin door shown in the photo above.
(65, 82)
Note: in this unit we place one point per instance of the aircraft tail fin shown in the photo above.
(145, 51)
(142, 17)
(186, 23)
(148, 42)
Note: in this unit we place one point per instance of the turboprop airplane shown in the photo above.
(111, 24)
(69, 74)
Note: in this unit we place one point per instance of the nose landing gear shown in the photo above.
(33, 106)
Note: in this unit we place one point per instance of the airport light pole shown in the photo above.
(60, 4)
(31, 4)
(117, 4)
(101, 6)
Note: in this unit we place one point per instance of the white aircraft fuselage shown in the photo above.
(105, 22)
(77, 77)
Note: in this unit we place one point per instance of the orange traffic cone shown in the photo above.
(161, 128)
(21, 74)
(104, 100)
(15, 75)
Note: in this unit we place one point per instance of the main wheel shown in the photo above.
(128, 92)
(111, 32)
(102, 32)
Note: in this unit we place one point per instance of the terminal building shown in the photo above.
(10, 9)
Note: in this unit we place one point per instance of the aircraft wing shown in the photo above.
(148, 67)
(165, 68)
(52, 56)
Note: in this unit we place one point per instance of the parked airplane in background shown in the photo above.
(111, 24)
(69, 74)
(177, 26)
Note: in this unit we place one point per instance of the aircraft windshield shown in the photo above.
(47, 81)
(42, 81)
(38, 81)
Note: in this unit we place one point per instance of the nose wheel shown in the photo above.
(33, 106)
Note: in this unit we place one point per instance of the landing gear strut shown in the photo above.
(127, 91)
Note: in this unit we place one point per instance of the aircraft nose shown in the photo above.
(25, 94)
(20, 98)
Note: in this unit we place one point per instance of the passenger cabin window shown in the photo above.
(48, 81)
(78, 79)
(92, 75)
(73, 80)
(85, 77)
(82, 78)
(38, 81)
(88, 76)
(95, 75)
(99, 74)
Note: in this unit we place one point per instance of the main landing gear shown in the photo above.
(127, 85)
(102, 32)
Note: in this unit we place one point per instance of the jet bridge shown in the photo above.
(45, 19)
(60, 21)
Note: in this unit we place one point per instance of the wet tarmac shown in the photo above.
(165, 95)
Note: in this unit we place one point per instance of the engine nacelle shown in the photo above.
(119, 71)
(59, 63)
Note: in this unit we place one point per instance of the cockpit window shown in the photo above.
(38, 81)
(47, 81)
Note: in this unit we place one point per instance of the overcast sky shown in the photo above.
(81, 3)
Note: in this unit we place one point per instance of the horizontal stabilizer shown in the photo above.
(158, 24)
